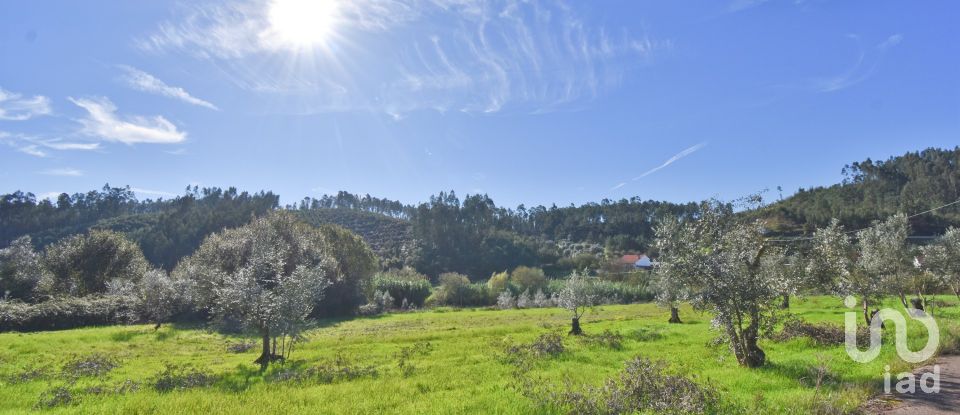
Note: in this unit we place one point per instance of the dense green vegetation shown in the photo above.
(441, 361)
(873, 190)
(474, 236)
(166, 230)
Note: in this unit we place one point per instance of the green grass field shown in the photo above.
(461, 372)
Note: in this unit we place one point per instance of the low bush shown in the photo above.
(405, 353)
(55, 397)
(644, 386)
(29, 374)
(94, 365)
(823, 334)
(456, 290)
(176, 378)
(65, 313)
(523, 355)
(403, 285)
(241, 347)
(339, 369)
(608, 339)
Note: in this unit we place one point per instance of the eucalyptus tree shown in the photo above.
(718, 257)
(942, 259)
(267, 275)
(577, 296)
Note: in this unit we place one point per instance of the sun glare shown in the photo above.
(302, 23)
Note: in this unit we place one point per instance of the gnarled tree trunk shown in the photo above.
(785, 303)
(575, 329)
(265, 356)
(674, 315)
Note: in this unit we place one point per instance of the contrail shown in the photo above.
(670, 161)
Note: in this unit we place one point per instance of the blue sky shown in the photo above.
(533, 102)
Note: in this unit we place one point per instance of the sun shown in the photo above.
(302, 23)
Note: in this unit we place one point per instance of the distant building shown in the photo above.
(635, 261)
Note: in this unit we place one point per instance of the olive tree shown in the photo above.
(82, 265)
(942, 259)
(791, 269)
(834, 261)
(884, 256)
(22, 273)
(160, 297)
(719, 258)
(267, 275)
(670, 291)
(577, 296)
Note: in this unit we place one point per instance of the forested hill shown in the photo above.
(473, 235)
(872, 190)
(166, 230)
(391, 238)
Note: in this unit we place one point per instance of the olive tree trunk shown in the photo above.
(575, 329)
(265, 356)
(674, 315)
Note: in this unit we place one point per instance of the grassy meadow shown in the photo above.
(439, 361)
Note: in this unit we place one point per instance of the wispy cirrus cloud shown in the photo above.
(39, 147)
(16, 107)
(69, 172)
(493, 55)
(102, 121)
(146, 82)
(865, 66)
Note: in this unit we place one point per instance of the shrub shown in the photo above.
(29, 374)
(325, 373)
(528, 278)
(65, 313)
(540, 300)
(549, 344)
(505, 300)
(21, 271)
(403, 285)
(456, 290)
(174, 378)
(83, 264)
(609, 339)
(644, 386)
(499, 282)
(241, 347)
(524, 300)
(54, 397)
(621, 292)
(354, 266)
(523, 355)
(94, 365)
(405, 353)
(824, 334)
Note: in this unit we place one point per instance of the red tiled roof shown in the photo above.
(631, 259)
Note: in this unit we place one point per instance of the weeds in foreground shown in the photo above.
(339, 369)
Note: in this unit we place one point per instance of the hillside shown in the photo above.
(390, 238)
(871, 190)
